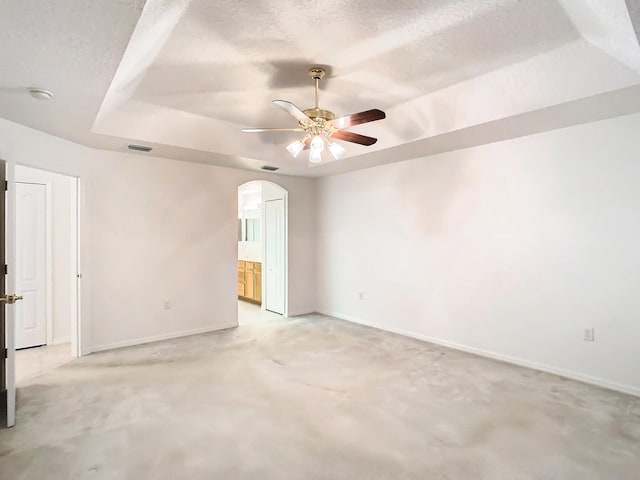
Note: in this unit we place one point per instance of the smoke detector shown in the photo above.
(41, 93)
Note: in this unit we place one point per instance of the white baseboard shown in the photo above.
(599, 382)
(158, 338)
(61, 340)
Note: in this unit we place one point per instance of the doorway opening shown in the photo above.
(262, 252)
(46, 228)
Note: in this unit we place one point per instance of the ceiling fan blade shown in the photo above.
(260, 130)
(354, 137)
(307, 143)
(358, 118)
(294, 111)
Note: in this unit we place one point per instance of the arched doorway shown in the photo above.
(262, 251)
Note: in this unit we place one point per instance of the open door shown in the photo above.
(7, 311)
(275, 255)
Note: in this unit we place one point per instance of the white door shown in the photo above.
(274, 261)
(31, 273)
(7, 309)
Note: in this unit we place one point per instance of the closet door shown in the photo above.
(274, 261)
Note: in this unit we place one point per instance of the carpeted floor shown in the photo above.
(314, 398)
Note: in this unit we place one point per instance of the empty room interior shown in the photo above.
(320, 240)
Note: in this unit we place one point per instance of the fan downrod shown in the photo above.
(318, 73)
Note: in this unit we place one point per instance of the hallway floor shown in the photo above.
(314, 398)
(32, 362)
(250, 313)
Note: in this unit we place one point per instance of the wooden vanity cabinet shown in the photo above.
(250, 281)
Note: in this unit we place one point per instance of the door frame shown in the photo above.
(75, 209)
(285, 197)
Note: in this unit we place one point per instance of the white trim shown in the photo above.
(286, 253)
(158, 338)
(599, 382)
(48, 209)
(60, 340)
(74, 205)
(83, 284)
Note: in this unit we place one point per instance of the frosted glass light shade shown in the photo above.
(336, 150)
(317, 144)
(315, 156)
(295, 148)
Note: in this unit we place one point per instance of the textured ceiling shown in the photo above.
(70, 47)
(382, 59)
(185, 75)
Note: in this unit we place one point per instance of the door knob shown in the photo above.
(10, 299)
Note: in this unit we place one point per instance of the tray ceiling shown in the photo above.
(184, 76)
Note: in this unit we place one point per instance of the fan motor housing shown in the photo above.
(315, 113)
(317, 73)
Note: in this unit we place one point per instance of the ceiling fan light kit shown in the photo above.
(295, 148)
(321, 127)
(315, 157)
(336, 150)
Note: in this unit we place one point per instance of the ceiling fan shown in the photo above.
(321, 126)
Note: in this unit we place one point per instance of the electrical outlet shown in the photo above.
(167, 305)
(589, 335)
(360, 295)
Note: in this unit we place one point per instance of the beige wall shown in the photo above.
(156, 230)
(509, 250)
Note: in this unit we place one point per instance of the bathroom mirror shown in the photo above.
(253, 230)
(249, 224)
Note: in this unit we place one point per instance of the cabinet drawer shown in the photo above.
(249, 266)
(241, 264)
(257, 267)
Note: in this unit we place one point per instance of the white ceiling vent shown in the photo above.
(139, 148)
